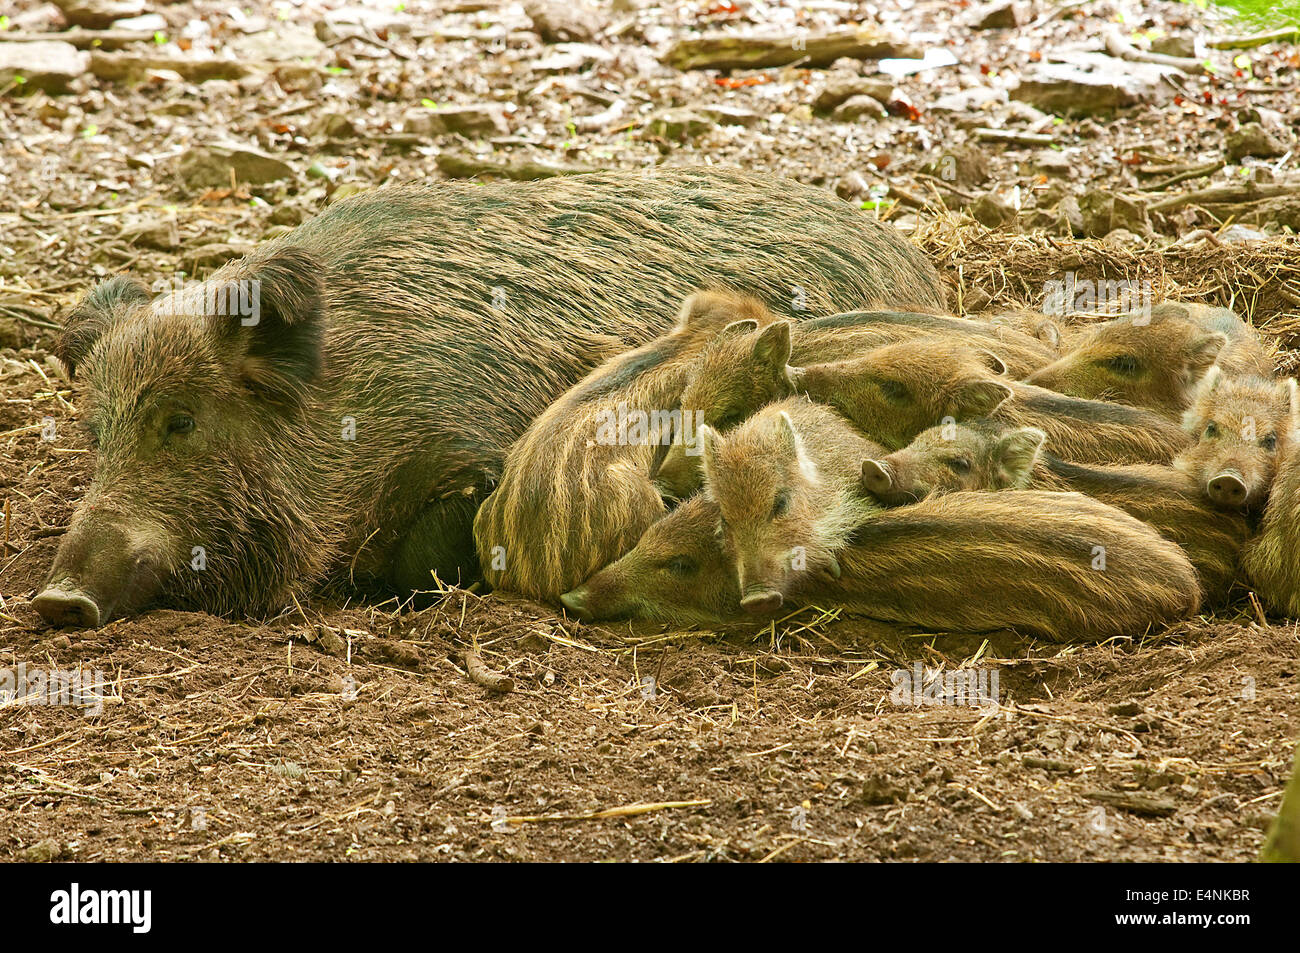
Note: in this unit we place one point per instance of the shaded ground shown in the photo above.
(354, 733)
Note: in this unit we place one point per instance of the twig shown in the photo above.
(480, 674)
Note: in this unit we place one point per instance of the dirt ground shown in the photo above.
(339, 731)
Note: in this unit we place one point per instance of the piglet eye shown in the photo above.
(1125, 364)
(781, 505)
(1211, 430)
(680, 565)
(1269, 442)
(959, 465)
(180, 424)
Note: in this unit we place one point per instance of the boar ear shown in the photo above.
(772, 349)
(284, 331)
(979, 398)
(95, 314)
(991, 361)
(1203, 352)
(1016, 453)
(1292, 402)
(743, 326)
(1049, 332)
(708, 438)
(791, 445)
(1210, 380)
(876, 477)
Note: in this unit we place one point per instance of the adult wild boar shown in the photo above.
(354, 416)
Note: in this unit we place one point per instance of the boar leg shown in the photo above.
(441, 540)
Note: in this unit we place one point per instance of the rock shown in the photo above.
(299, 77)
(1103, 212)
(993, 211)
(42, 852)
(132, 67)
(160, 235)
(283, 43)
(967, 99)
(44, 64)
(852, 186)
(1069, 217)
(1123, 240)
(569, 57)
(216, 254)
(727, 115)
(209, 166)
(149, 23)
(98, 14)
(333, 125)
(841, 87)
(461, 166)
(564, 22)
(1252, 139)
(1093, 83)
(677, 125)
(730, 51)
(1053, 162)
(1187, 47)
(1005, 16)
(379, 21)
(933, 59)
(855, 107)
(964, 166)
(474, 122)
(1241, 235)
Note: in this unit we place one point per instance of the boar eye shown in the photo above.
(781, 505)
(180, 424)
(1269, 442)
(1125, 364)
(1211, 430)
(680, 566)
(959, 465)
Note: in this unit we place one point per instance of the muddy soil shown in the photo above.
(345, 731)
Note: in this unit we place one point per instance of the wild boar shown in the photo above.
(785, 482)
(576, 492)
(352, 418)
(1060, 566)
(1239, 424)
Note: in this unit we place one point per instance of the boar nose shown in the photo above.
(62, 608)
(1227, 489)
(761, 602)
(575, 602)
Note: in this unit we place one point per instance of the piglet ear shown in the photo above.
(103, 307)
(279, 319)
(1016, 453)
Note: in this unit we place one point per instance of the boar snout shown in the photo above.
(576, 602)
(99, 568)
(762, 602)
(1227, 489)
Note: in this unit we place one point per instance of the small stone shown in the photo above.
(992, 211)
(564, 22)
(964, 166)
(856, 107)
(98, 14)
(726, 115)
(49, 65)
(842, 87)
(42, 852)
(1252, 139)
(1005, 16)
(1103, 212)
(677, 125)
(1090, 83)
(474, 122)
(209, 166)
